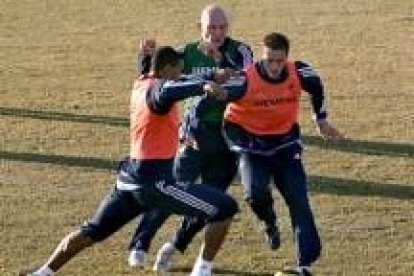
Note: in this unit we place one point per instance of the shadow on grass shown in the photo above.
(63, 116)
(342, 186)
(355, 146)
(317, 184)
(364, 147)
(63, 160)
(219, 271)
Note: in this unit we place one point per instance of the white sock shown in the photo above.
(302, 268)
(44, 271)
(202, 262)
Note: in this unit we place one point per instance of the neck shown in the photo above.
(271, 74)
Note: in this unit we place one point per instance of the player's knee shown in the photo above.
(227, 209)
(75, 241)
(94, 233)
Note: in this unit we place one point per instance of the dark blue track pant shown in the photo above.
(122, 204)
(216, 169)
(289, 176)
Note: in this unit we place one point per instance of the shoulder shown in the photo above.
(299, 64)
(239, 45)
(253, 67)
(236, 42)
(305, 69)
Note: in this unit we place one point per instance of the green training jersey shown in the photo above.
(236, 55)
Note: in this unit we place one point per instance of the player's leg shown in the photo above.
(116, 209)
(217, 170)
(290, 179)
(148, 226)
(187, 167)
(212, 205)
(186, 170)
(255, 178)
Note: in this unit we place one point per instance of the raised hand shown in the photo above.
(146, 47)
(211, 50)
(215, 90)
(223, 75)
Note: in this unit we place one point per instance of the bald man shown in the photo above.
(203, 152)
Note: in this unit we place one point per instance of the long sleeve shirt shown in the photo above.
(241, 140)
(160, 99)
(203, 116)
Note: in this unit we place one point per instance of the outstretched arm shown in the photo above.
(312, 83)
(164, 94)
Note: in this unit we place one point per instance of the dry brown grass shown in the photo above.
(66, 68)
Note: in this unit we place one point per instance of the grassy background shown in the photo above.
(66, 71)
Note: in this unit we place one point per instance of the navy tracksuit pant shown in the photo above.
(216, 168)
(286, 168)
(135, 194)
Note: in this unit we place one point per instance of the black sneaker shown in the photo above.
(272, 236)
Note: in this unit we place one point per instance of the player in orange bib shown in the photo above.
(145, 179)
(261, 125)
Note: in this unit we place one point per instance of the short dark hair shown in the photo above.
(276, 41)
(163, 56)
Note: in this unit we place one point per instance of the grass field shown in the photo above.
(66, 71)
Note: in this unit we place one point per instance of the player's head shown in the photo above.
(166, 63)
(275, 52)
(214, 24)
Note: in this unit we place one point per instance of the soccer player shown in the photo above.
(261, 125)
(203, 151)
(145, 178)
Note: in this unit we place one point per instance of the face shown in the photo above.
(214, 26)
(274, 60)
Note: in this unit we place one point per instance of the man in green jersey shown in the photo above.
(203, 152)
